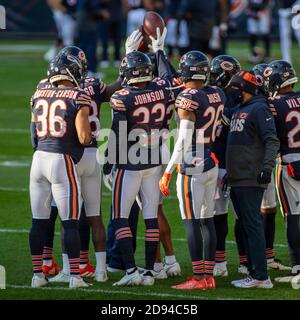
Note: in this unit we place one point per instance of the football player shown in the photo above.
(280, 79)
(222, 69)
(89, 175)
(143, 104)
(60, 129)
(200, 110)
(170, 267)
(259, 24)
(268, 206)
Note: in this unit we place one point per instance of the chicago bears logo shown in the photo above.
(259, 80)
(286, 74)
(74, 59)
(226, 65)
(124, 92)
(81, 55)
(268, 71)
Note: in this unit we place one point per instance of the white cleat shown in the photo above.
(289, 277)
(147, 278)
(78, 282)
(220, 269)
(296, 281)
(133, 279)
(160, 275)
(275, 264)
(243, 269)
(173, 269)
(114, 270)
(38, 281)
(61, 277)
(249, 282)
(285, 279)
(101, 276)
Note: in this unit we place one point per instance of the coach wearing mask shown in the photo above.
(252, 148)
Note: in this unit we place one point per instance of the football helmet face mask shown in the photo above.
(194, 65)
(279, 74)
(66, 67)
(222, 68)
(137, 68)
(259, 74)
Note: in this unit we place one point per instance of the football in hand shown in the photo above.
(152, 20)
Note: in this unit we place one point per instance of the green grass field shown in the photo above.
(22, 66)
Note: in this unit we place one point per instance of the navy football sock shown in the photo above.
(124, 238)
(49, 235)
(293, 237)
(221, 226)
(84, 234)
(72, 245)
(269, 226)
(36, 242)
(210, 241)
(195, 244)
(151, 242)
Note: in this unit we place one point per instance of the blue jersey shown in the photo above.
(219, 146)
(146, 113)
(96, 89)
(207, 104)
(286, 112)
(54, 112)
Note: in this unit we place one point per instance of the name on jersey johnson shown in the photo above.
(149, 97)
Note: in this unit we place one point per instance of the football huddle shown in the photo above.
(236, 139)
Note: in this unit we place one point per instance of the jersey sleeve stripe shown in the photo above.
(102, 87)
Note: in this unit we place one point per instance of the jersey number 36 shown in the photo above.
(48, 120)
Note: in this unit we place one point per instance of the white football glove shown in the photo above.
(133, 41)
(159, 42)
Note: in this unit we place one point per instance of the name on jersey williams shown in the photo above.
(71, 94)
(149, 97)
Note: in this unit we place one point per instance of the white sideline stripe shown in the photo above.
(15, 164)
(152, 294)
(14, 189)
(14, 130)
(23, 48)
(231, 242)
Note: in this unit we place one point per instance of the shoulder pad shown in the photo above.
(159, 81)
(96, 83)
(186, 100)
(123, 92)
(83, 99)
(44, 84)
(117, 100)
